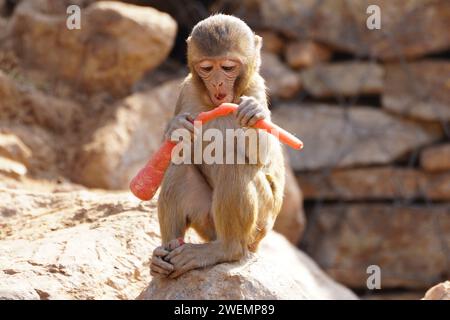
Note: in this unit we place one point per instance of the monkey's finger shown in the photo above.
(258, 116)
(250, 114)
(242, 111)
(189, 265)
(190, 117)
(159, 270)
(158, 262)
(174, 252)
(160, 252)
(187, 125)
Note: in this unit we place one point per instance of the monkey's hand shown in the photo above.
(250, 111)
(180, 121)
(159, 267)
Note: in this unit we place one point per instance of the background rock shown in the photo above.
(419, 90)
(279, 271)
(116, 44)
(281, 82)
(291, 220)
(271, 41)
(126, 139)
(343, 79)
(410, 28)
(408, 242)
(337, 137)
(301, 54)
(436, 158)
(378, 183)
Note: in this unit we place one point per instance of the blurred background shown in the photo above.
(86, 108)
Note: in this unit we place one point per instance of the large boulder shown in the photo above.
(96, 245)
(116, 45)
(419, 90)
(440, 291)
(280, 80)
(125, 138)
(277, 271)
(291, 220)
(436, 158)
(377, 183)
(343, 137)
(409, 28)
(343, 79)
(305, 54)
(408, 242)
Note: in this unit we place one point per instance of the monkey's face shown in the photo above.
(219, 76)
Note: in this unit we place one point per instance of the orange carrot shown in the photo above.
(149, 178)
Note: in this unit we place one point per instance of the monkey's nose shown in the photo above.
(218, 85)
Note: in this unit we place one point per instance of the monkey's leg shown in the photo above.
(185, 199)
(235, 208)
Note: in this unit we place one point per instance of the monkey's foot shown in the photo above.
(193, 256)
(159, 267)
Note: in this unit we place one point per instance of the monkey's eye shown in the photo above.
(206, 69)
(228, 68)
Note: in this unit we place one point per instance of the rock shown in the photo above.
(341, 24)
(13, 148)
(436, 158)
(272, 42)
(3, 27)
(29, 106)
(408, 242)
(338, 137)
(280, 80)
(124, 141)
(378, 183)
(278, 271)
(75, 245)
(96, 245)
(440, 291)
(420, 90)
(343, 79)
(291, 220)
(116, 45)
(305, 54)
(12, 168)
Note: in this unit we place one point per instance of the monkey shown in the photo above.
(231, 206)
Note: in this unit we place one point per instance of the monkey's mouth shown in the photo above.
(220, 96)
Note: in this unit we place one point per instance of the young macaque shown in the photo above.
(231, 206)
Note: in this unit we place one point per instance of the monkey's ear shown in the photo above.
(188, 39)
(258, 43)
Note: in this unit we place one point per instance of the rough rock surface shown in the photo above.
(440, 291)
(96, 245)
(436, 158)
(409, 29)
(343, 79)
(305, 54)
(277, 271)
(280, 80)
(338, 137)
(420, 90)
(116, 44)
(379, 183)
(408, 242)
(127, 137)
